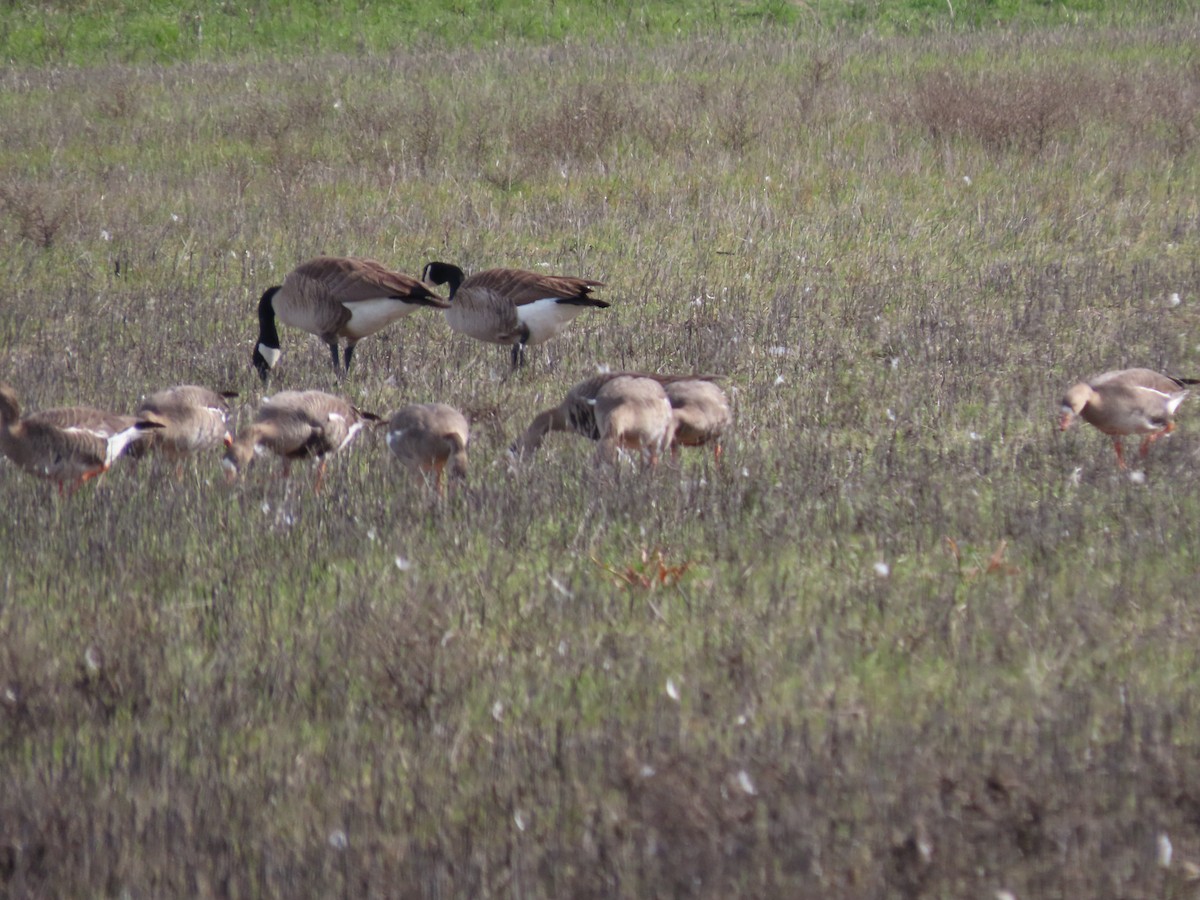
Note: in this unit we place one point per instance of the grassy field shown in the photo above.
(904, 640)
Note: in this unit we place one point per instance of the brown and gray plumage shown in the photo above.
(192, 418)
(336, 297)
(430, 437)
(577, 412)
(68, 445)
(701, 412)
(296, 425)
(1127, 401)
(633, 413)
(512, 306)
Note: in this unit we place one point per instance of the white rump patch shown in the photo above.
(546, 318)
(118, 442)
(270, 354)
(351, 432)
(369, 316)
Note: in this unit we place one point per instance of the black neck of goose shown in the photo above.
(268, 335)
(444, 273)
(10, 409)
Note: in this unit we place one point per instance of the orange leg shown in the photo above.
(717, 452)
(1120, 453)
(83, 479)
(320, 477)
(1151, 438)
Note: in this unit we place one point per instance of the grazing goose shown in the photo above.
(701, 413)
(70, 444)
(512, 306)
(296, 425)
(577, 412)
(192, 419)
(1128, 401)
(633, 413)
(336, 297)
(427, 437)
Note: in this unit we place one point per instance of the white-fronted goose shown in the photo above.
(701, 412)
(577, 411)
(296, 425)
(336, 297)
(65, 445)
(428, 437)
(1127, 401)
(512, 306)
(633, 413)
(192, 418)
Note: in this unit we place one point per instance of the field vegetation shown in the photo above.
(904, 640)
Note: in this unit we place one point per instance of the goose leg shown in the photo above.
(1120, 453)
(320, 477)
(1151, 438)
(333, 350)
(349, 353)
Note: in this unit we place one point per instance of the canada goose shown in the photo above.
(512, 306)
(69, 444)
(701, 413)
(296, 425)
(427, 437)
(1127, 401)
(192, 419)
(633, 413)
(577, 411)
(336, 297)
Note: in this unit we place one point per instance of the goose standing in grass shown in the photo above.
(698, 411)
(512, 306)
(336, 297)
(429, 437)
(66, 445)
(192, 418)
(701, 412)
(1127, 401)
(633, 413)
(296, 425)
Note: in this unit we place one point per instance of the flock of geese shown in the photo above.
(344, 299)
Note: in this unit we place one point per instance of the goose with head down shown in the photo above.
(67, 445)
(336, 298)
(1126, 401)
(296, 425)
(430, 437)
(699, 410)
(191, 419)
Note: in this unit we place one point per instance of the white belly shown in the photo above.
(369, 316)
(546, 318)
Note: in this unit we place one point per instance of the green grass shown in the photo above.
(153, 31)
(897, 238)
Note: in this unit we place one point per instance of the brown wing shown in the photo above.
(83, 418)
(1137, 378)
(521, 286)
(354, 279)
(184, 396)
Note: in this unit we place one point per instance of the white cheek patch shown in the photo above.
(546, 318)
(394, 437)
(229, 466)
(270, 354)
(369, 316)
